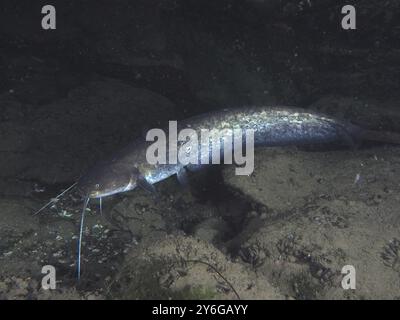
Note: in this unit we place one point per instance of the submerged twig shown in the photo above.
(219, 273)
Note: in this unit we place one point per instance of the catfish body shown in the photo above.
(272, 126)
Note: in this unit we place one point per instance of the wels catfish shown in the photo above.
(128, 168)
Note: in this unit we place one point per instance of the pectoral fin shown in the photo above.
(183, 177)
(145, 185)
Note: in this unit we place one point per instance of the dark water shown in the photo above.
(112, 70)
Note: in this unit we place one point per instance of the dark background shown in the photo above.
(298, 44)
(200, 55)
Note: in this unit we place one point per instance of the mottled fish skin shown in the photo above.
(273, 126)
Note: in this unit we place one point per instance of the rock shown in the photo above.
(184, 267)
(211, 230)
(324, 220)
(285, 179)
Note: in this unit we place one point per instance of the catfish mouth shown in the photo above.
(94, 191)
(100, 194)
(104, 186)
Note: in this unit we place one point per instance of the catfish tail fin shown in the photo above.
(381, 136)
